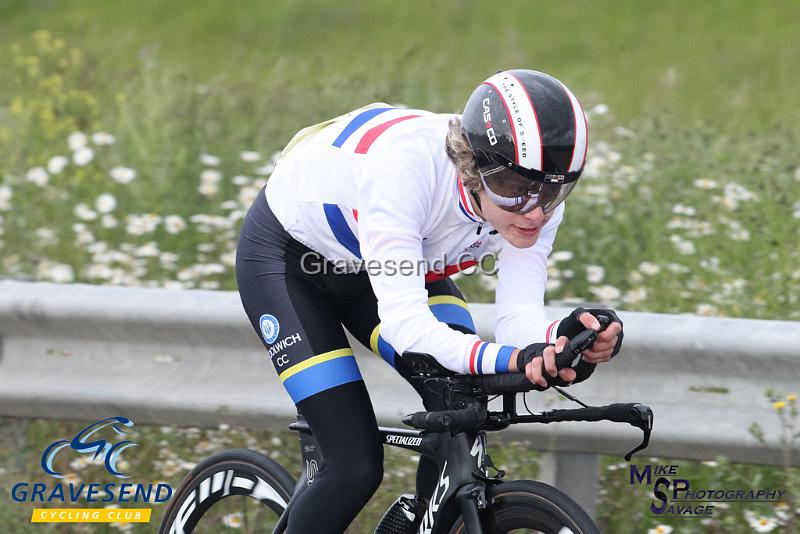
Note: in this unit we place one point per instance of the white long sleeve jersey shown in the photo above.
(375, 190)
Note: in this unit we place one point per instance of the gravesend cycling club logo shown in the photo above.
(99, 447)
(270, 328)
(103, 441)
(674, 496)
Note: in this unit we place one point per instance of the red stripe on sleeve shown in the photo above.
(355, 215)
(373, 133)
(472, 357)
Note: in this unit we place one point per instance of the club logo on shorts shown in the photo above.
(270, 328)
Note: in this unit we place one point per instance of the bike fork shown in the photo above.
(471, 498)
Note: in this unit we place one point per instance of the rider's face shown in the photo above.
(522, 231)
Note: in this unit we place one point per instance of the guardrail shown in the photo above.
(191, 358)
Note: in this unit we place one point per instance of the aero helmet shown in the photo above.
(529, 136)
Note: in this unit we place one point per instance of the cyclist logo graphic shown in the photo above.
(101, 448)
(269, 327)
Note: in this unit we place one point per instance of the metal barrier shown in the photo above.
(191, 358)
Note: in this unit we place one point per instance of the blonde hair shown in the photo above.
(460, 153)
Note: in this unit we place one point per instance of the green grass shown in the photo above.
(694, 91)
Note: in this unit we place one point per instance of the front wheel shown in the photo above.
(239, 488)
(529, 506)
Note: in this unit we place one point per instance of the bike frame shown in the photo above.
(460, 462)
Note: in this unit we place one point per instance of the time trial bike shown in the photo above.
(465, 492)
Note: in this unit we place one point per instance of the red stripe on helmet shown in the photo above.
(535, 118)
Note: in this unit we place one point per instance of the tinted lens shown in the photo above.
(515, 193)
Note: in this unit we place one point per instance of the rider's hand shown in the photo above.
(608, 342)
(538, 362)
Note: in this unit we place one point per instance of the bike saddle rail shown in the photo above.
(471, 392)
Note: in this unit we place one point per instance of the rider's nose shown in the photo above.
(535, 215)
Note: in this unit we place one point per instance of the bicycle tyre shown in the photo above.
(531, 506)
(229, 473)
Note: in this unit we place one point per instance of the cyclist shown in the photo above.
(361, 224)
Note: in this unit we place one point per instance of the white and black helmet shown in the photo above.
(529, 136)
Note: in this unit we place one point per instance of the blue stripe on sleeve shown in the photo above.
(503, 360)
(356, 123)
(453, 314)
(321, 377)
(386, 351)
(480, 359)
(341, 230)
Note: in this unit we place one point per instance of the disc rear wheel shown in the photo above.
(237, 488)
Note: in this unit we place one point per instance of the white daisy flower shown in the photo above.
(210, 176)
(84, 212)
(562, 255)
(56, 164)
(122, 175)
(595, 274)
(208, 189)
(77, 140)
(233, 520)
(5, 196)
(148, 250)
(706, 309)
(103, 138)
(649, 268)
(229, 258)
(105, 203)
(249, 156)
(55, 272)
(240, 180)
(38, 176)
(45, 236)
(208, 159)
(606, 293)
(109, 221)
(83, 156)
(660, 529)
(705, 183)
(247, 195)
(599, 109)
(174, 224)
(265, 170)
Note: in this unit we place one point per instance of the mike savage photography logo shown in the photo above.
(675, 496)
(62, 500)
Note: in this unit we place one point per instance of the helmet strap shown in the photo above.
(477, 200)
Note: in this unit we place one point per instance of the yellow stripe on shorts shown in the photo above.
(315, 360)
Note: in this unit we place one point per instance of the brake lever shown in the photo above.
(644, 420)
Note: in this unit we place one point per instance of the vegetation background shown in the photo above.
(135, 133)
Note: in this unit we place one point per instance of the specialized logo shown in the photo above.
(270, 328)
(479, 449)
(554, 178)
(436, 501)
(311, 471)
(487, 119)
(101, 448)
(403, 440)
